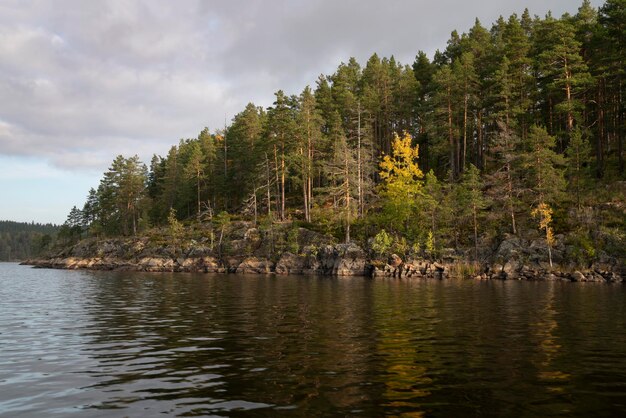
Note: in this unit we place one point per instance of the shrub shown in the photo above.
(381, 243)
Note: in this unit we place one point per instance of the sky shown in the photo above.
(84, 81)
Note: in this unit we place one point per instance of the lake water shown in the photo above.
(113, 344)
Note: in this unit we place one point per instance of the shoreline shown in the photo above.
(338, 266)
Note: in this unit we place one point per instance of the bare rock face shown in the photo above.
(155, 264)
(291, 264)
(150, 263)
(511, 247)
(188, 264)
(343, 260)
(231, 263)
(510, 269)
(255, 265)
(210, 265)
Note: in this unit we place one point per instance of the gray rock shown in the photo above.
(394, 260)
(577, 276)
(291, 264)
(255, 265)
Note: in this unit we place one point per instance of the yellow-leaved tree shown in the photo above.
(402, 182)
(543, 211)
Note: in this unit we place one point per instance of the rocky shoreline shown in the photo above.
(247, 250)
(334, 263)
(331, 260)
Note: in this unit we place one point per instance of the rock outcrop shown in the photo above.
(249, 250)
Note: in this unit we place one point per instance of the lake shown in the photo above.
(116, 344)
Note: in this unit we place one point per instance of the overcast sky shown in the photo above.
(83, 81)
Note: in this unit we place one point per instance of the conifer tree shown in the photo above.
(471, 200)
(309, 133)
(544, 168)
(280, 134)
(578, 160)
(562, 68)
(194, 170)
(342, 176)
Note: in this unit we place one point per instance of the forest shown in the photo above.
(513, 129)
(21, 240)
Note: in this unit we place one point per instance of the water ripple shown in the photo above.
(100, 344)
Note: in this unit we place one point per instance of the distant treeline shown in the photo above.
(22, 240)
(516, 128)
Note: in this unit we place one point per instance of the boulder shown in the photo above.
(510, 248)
(510, 269)
(394, 260)
(291, 264)
(255, 265)
(231, 263)
(210, 265)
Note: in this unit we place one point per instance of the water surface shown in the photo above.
(108, 344)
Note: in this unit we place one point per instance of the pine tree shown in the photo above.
(471, 200)
(423, 72)
(544, 168)
(342, 176)
(310, 131)
(562, 68)
(281, 129)
(465, 74)
(243, 137)
(578, 158)
(209, 153)
(612, 37)
(504, 188)
(444, 100)
(430, 205)
(194, 170)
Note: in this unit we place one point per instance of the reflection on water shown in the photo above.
(129, 344)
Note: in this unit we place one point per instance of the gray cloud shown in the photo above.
(84, 81)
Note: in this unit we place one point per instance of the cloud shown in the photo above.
(84, 81)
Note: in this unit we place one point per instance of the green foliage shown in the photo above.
(381, 244)
(493, 115)
(400, 246)
(465, 270)
(584, 250)
(544, 167)
(21, 240)
(402, 183)
(430, 244)
(174, 226)
(292, 240)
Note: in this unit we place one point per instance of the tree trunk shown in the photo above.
(620, 129)
(475, 233)
(479, 146)
(198, 192)
(347, 183)
(276, 171)
(601, 132)
(465, 99)
(305, 194)
(309, 191)
(269, 195)
(568, 96)
(359, 166)
(453, 166)
(282, 183)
